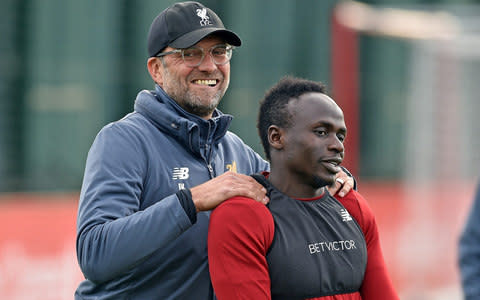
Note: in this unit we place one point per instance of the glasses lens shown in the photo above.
(192, 56)
(221, 54)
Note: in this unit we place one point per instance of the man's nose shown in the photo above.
(207, 64)
(336, 144)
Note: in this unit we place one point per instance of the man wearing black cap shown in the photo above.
(152, 177)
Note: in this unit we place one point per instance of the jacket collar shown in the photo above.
(191, 130)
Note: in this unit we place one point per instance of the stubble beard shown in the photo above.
(193, 103)
(190, 101)
(318, 182)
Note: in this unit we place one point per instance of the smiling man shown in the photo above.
(305, 244)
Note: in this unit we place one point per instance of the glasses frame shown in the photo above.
(228, 47)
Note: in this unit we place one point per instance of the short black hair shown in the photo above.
(273, 110)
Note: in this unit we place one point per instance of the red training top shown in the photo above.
(240, 234)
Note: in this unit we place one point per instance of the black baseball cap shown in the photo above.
(184, 24)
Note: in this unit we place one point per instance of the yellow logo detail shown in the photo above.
(232, 167)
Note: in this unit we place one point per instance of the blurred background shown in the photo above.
(406, 73)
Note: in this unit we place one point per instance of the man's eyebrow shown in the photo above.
(329, 125)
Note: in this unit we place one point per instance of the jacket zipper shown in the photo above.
(208, 152)
(210, 170)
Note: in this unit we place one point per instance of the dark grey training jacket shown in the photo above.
(134, 238)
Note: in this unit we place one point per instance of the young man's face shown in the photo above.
(197, 89)
(314, 144)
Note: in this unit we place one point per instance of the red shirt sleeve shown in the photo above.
(239, 236)
(376, 283)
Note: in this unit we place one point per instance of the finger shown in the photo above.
(254, 189)
(345, 187)
(334, 188)
(244, 185)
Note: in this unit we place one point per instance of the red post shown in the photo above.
(345, 87)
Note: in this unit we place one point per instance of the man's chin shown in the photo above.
(320, 182)
(200, 111)
(196, 105)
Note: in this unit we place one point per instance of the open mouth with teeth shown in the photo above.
(208, 82)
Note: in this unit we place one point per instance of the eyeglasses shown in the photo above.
(193, 56)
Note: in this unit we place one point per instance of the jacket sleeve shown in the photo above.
(240, 233)
(376, 282)
(113, 234)
(469, 251)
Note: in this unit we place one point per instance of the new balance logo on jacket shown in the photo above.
(180, 173)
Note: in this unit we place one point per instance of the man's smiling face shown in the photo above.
(314, 143)
(197, 89)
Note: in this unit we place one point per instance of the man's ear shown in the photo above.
(276, 137)
(155, 68)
